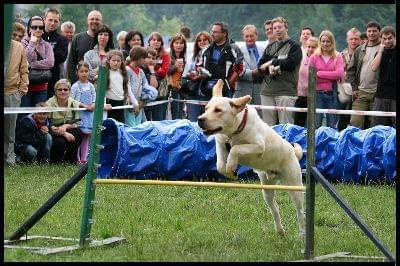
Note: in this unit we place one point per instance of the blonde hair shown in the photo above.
(330, 36)
(281, 20)
(62, 82)
(353, 31)
(313, 39)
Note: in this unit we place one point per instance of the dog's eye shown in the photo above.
(217, 110)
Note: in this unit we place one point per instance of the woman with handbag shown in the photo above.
(40, 56)
(175, 71)
(192, 78)
(67, 136)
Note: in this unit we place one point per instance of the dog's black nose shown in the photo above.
(200, 121)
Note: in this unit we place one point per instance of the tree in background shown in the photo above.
(167, 18)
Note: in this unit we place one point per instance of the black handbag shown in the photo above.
(39, 76)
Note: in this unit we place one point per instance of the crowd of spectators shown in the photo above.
(43, 63)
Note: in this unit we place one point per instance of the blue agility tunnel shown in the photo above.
(177, 149)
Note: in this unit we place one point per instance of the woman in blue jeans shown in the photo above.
(329, 69)
(201, 42)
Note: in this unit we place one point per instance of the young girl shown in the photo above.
(138, 82)
(84, 92)
(118, 86)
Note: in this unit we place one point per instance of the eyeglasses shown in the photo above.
(215, 31)
(37, 27)
(63, 89)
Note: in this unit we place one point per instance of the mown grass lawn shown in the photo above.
(187, 223)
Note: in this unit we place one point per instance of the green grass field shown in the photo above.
(187, 223)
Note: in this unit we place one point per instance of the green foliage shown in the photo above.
(189, 224)
(169, 27)
(167, 18)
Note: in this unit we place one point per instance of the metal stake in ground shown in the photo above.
(88, 204)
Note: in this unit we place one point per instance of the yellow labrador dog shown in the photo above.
(243, 138)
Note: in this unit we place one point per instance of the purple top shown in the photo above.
(44, 49)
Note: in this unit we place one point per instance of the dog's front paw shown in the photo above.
(231, 172)
(221, 168)
(231, 165)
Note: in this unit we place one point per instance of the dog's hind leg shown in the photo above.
(269, 197)
(297, 198)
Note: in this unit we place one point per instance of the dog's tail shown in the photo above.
(298, 151)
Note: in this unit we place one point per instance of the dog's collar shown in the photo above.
(243, 123)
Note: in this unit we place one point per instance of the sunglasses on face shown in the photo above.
(37, 27)
(63, 89)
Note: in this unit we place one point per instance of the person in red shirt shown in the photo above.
(158, 112)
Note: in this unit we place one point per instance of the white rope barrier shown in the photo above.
(296, 109)
(22, 110)
(17, 110)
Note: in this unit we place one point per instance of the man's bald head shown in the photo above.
(94, 21)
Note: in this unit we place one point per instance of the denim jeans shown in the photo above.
(325, 101)
(194, 110)
(177, 107)
(33, 97)
(156, 112)
(30, 153)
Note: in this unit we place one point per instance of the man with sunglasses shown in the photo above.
(59, 43)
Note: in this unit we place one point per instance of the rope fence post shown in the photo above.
(310, 186)
(94, 155)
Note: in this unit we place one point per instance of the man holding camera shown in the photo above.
(280, 64)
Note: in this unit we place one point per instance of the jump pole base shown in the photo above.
(47, 251)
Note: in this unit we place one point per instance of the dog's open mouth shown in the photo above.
(211, 131)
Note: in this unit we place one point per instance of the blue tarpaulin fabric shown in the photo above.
(177, 149)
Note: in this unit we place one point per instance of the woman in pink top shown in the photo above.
(300, 118)
(329, 67)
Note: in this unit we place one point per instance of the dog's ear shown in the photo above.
(217, 89)
(240, 103)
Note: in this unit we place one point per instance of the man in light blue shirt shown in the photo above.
(249, 82)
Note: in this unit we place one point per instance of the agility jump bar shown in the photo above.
(195, 184)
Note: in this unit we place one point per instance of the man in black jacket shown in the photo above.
(59, 43)
(385, 62)
(223, 60)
